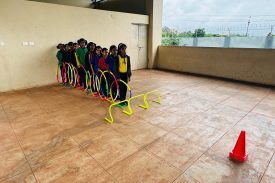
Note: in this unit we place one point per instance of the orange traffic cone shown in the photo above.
(239, 152)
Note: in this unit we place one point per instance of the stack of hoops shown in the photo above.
(94, 81)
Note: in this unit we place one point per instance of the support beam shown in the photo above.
(154, 9)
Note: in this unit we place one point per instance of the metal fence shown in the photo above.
(267, 42)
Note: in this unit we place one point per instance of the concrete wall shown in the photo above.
(46, 25)
(252, 65)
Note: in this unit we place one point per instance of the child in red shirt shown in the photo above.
(102, 61)
(103, 66)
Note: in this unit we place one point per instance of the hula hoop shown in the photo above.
(64, 75)
(77, 77)
(81, 66)
(128, 87)
(111, 86)
(56, 72)
(74, 76)
(69, 74)
(106, 86)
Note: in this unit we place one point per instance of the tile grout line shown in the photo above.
(273, 156)
(224, 134)
(218, 139)
(19, 145)
(93, 158)
(267, 166)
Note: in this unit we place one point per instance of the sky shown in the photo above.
(220, 16)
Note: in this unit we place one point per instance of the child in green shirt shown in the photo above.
(81, 52)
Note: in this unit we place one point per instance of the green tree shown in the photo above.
(200, 32)
(170, 37)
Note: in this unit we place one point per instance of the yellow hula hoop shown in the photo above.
(74, 74)
(88, 76)
(102, 73)
(70, 75)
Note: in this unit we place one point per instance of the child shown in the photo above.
(89, 56)
(73, 55)
(122, 70)
(59, 56)
(81, 52)
(95, 60)
(67, 54)
(88, 59)
(110, 60)
(102, 61)
(103, 66)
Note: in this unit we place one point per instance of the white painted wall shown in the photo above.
(46, 25)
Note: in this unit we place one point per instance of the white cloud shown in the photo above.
(234, 14)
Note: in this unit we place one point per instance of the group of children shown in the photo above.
(94, 58)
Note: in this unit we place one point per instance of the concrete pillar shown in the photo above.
(227, 41)
(268, 41)
(195, 41)
(154, 10)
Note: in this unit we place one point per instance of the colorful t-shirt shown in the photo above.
(81, 52)
(122, 64)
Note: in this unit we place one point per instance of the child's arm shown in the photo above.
(116, 66)
(129, 71)
(59, 56)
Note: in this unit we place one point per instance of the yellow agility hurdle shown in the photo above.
(146, 101)
(130, 111)
(111, 119)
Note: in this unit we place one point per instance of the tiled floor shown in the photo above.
(56, 134)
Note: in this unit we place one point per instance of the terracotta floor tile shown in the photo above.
(25, 177)
(56, 148)
(185, 179)
(142, 134)
(39, 137)
(169, 121)
(176, 150)
(31, 118)
(110, 150)
(243, 102)
(214, 169)
(12, 162)
(74, 167)
(258, 156)
(221, 117)
(266, 106)
(259, 130)
(65, 138)
(143, 167)
(267, 179)
(8, 140)
(88, 135)
(271, 168)
(193, 105)
(198, 133)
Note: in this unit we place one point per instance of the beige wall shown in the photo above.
(46, 25)
(253, 65)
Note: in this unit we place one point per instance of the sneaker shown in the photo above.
(88, 91)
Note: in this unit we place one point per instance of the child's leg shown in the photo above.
(123, 87)
(80, 71)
